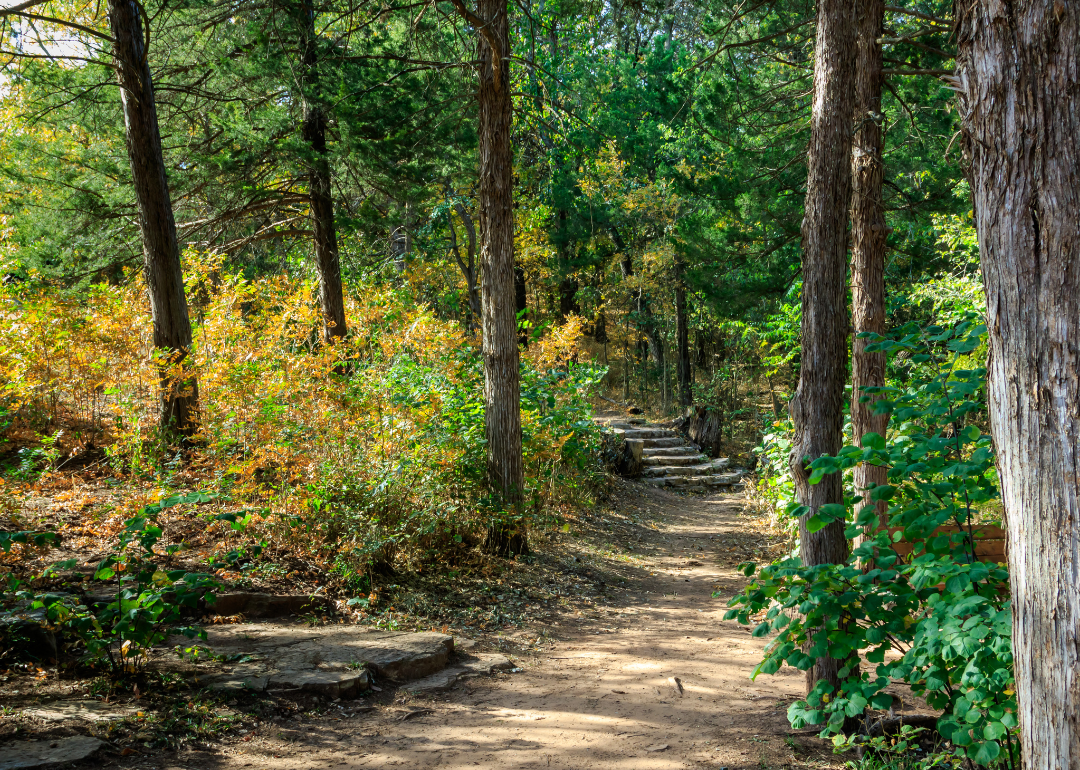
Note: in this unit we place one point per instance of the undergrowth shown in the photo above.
(363, 457)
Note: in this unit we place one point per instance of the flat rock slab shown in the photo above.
(259, 605)
(62, 751)
(333, 661)
(90, 711)
(450, 676)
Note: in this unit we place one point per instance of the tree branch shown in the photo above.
(481, 27)
(20, 7)
(917, 14)
(939, 73)
(63, 23)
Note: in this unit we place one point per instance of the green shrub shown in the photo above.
(945, 613)
(148, 602)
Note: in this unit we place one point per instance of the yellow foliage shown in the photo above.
(333, 464)
(559, 347)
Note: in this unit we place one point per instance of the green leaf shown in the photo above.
(60, 565)
(984, 753)
(768, 666)
(882, 492)
(957, 583)
(834, 511)
(873, 441)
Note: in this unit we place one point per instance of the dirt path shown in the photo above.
(602, 695)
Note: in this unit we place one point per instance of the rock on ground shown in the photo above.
(333, 661)
(449, 676)
(263, 605)
(67, 710)
(24, 754)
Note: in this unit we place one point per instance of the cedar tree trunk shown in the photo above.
(320, 193)
(682, 336)
(161, 251)
(868, 232)
(502, 395)
(1018, 83)
(817, 408)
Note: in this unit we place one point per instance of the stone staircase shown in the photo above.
(670, 460)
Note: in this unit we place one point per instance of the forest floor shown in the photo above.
(654, 679)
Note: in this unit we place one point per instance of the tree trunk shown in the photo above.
(1018, 81)
(500, 348)
(818, 404)
(568, 285)
(161, 251)
(645, 320)
(568, 306)
(521, 305)
(468, 269)
(868, 233)
(401, 243)
(320, 193)
(686, 388)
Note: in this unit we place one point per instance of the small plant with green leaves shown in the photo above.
(942, 613)
(148, 600)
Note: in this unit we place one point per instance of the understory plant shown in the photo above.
(914, 603)
(147, 602)
(357, 455)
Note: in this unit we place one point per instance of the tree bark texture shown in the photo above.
(868, 234)
(1018, 87)
(818, 404)
(502, 395)
(682, 339)
(161, 251)
(320, 192)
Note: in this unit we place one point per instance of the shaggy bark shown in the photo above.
(1018, 81)
(818, 403)
(161, 251)
(320, 193)
(502, 394)
(868, 234)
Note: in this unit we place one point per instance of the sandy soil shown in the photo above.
(656, 680)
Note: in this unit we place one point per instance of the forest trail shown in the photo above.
(606, 694)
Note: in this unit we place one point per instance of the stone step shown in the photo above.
(669, 460)
(674, 451)
(673, 441)
(704, 469)
(646, 433)
(449, 676)
(722, 479)
(696, 483)
(615, 424)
